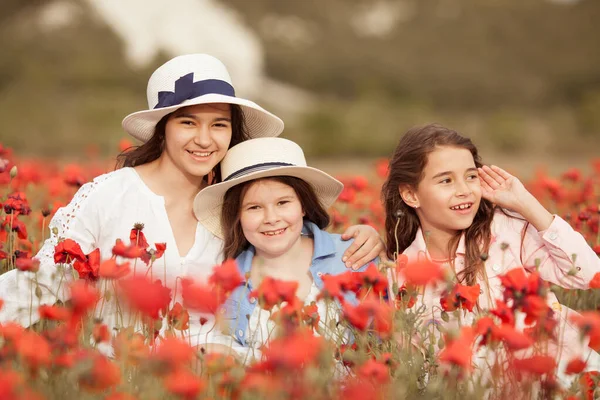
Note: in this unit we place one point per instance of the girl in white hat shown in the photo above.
(193, 117)
(271, 209)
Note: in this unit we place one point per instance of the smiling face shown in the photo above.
(448, 195)
(197, 138)
(271, 217)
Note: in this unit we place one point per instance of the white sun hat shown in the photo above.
(195, 79)
(261, 158)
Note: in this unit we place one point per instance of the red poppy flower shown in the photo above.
(137, 237)
(27, 264)
(347, 195)
(17, 203)
(589, 324)
(272, 292)
(514, 280)
(370, 310)
(201, 297)
(33, 349)
(160, 250)
(145, 296)
(15, 225)
(67, 251)
(288, 316)
(88, 269)
(588, 382)
(184, 384)
(575, 366)
(130, 346)
(1, 303)
(595, 282)
(102, 375)
(133, 251)
(505, 313)
(512, 338)
(10, 382)
(382, 168)
(374, 371)
(537, 365)
(226, 275)
(173, 353)
(100, 333)
(403, 299)
(83, 297)
(422, 273)
(178, 317)
(293, 352)
(310, 315)
(372, 279)
(54, 313)
(109, 269)
(334, 286)
(458, 351)
(461, 296)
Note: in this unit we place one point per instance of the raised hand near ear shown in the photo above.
(505, 190)
(501, 188)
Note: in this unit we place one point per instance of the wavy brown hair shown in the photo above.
(153, 148)
(406, 169)
(235, 241)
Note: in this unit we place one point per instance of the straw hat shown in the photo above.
(195, 79)
(261, 158)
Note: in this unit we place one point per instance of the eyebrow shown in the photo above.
(192, 116)
(472, 169)
(287, 197)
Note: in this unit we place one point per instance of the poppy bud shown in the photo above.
(399, 213)
(13, 172)
(484, 256)
(445, 316)
(503, 246)
(45, 212)
(38, 292)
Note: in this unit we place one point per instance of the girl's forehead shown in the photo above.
(449, 158)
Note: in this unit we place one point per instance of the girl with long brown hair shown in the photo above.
(443, 204)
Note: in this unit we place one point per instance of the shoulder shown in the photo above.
(334, 261)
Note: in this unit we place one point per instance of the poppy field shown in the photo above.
(378, 348)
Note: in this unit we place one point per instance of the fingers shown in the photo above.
(350, 232)
(490, 177)
(501, 172)
(365, 254)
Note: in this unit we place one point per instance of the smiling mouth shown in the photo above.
(274, 233)
(200, 153)
(464, 206)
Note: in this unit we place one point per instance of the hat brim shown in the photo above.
(259, 122)
(209, 202)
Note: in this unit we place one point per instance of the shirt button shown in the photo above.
(496, 267)
(480, 291)
(319, 274)
(252, 300)
(240, 333)
(553, 235)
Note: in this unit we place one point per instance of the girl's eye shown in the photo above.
(283, 202)
(472, 177)
(253, 208)
(447, 180)
(187, 122)
(221, 125)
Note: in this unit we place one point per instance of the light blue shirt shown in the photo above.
(327, 259)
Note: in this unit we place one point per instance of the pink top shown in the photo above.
(555, 248)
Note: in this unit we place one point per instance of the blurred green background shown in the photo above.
(522, 78)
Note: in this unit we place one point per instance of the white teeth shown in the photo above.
(199, 154)
(274, 233)
(461, 207)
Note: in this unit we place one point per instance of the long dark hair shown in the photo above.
(235, 241)
(153, 148)
(406, 169)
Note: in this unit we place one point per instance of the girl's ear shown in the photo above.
(409, 196)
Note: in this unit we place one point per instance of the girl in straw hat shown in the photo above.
(270, 211)
(193, 117)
